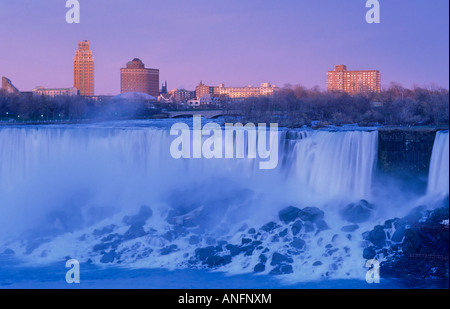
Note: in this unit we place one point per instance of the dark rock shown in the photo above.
(217, 261)
(412, 241)
(369, 253)
(251, 231)
(248, 250)
(283, 233)
(322, 225)
(222, 243)
(296, 227)
(278, 258)
(317, 263)
(329, 246)
(256, 243)
(111, 237)
(210, 241)
(245, 241)
(357, 212)
(311, 214)
(275, 238)
(298, 243)
(282, 269)
(269, 227)
(398, 234)
(377, 236)
(136, 230)
(289, 214)
(168, 250)
(415, 214)
(262, 258)
(350, 228)
(140, 218)
(309, 227)
(260, 267)
(105, 230)
(109, 257)
(9, 251)
(234, 250)
(194, 240)
(203, 253)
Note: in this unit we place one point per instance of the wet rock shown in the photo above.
(282, 269)
(109, 257)
(269, 227)
(251, 231)
(194, 240)
(357, 212)
(398, 235)
(234, 250)
(350, 228)
(283, 233)
(322, 225)
(217, 261)
(296, 227)
(415, 214)
(140, 218)
(309, 227)
(298, 243)
(278, 258)
(210, 241)
(203, 253)
(245, 241)
(369, 253)
(317, 263)
(256, 243)
(136, 230)
(105, 230)
(9, 251)
(289, 214)
(168, 250)
(260, 267)
(262, 258)
(377, 236)
(275, 238)
(311, 214)
(248, 250)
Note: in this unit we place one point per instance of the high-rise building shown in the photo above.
(136, 78)
(353, 82)
(83, 69)
(266, 89)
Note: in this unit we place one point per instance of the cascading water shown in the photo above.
(438, 179)
(61, 185)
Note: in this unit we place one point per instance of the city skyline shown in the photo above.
(226, 43)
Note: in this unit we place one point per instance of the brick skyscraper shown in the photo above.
(136, 78)
(353, 82)
(83, 69)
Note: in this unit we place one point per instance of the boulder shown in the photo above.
(194, 239)
(203, 253)
(269, 227)
(377, 236)
(260, 267)
(168, 250)
(214, 261)
(350, 228)
(369, 253)
(9, 251)
(289, 214)
(140, 218)
(234, 250)
(322, 225)
(109, 257)
(317, 263)
(357, 212)
(282, 269)
(298, 243)
(278, 258)
(311, 214)
(296, 227)
(245, 241)
(136, 230)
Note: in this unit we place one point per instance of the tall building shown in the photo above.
(8, 86)
(353, 82)
(136, 78)
(83, 69)
(266, 89)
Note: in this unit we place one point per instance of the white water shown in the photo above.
(62, 182)
(438, 179)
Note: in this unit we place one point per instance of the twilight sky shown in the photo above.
(235, 42)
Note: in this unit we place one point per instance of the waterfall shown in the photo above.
(338, 163)
(438, 178)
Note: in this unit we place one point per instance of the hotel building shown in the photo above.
(353, 82)
(83, 69)
(136, 78)
(266, 89)
(55, 92)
